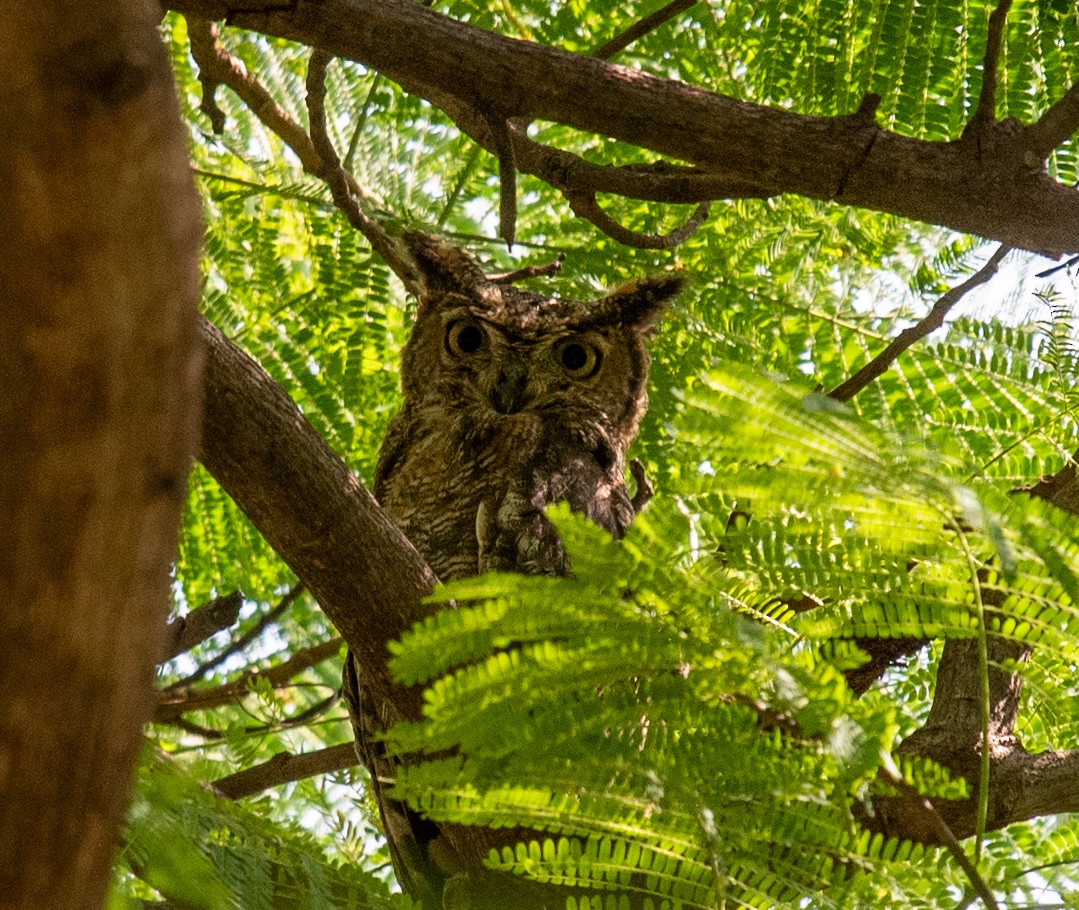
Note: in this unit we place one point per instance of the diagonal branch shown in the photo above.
(218, 66)
(286, 767)
(585, 206)
(1056, 125)
(933, 320)
(339, 181)
(641, 28)
(176, 702)
(315, 513)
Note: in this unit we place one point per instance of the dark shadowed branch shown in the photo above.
(202, 622)
(286, 767)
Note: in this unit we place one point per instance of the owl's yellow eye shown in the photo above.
(579, 360)
(464, 338)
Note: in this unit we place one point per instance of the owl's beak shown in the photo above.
(508, 396)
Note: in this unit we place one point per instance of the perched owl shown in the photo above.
(512, 400)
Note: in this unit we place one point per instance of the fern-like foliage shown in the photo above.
(200, 852)
(662, 721)
(666, 720)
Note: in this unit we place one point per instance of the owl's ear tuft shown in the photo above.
(640, 303)
(442, 266)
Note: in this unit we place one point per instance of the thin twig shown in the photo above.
(175, 702)
(218, 66)
(507, 180)
(530, 271)
(933, 320)
(640, 28)
(986, 112)
(337, 178)
(286, 767)
(1066, 264)
(202, 622)
(243, 641)
(584, 205)
(946, 837)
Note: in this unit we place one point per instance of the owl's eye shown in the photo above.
(463, 338)
(579, 360)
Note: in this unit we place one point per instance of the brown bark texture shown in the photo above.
(314, 512)
(991, 182)
(100, 364)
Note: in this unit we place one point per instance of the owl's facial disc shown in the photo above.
(518, 371)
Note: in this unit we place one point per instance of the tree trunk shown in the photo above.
(100, 370)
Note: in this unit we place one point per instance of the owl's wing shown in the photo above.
(408, 834)
(392, 451)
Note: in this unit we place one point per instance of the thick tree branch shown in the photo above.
(992, 187)
(286, 767)
(1022, 785)
(314, 512)
(1057, 125)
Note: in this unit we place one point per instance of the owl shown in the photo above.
(511, 400)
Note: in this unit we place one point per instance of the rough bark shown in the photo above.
(1022, 785)
(990, 182)
(314, 512)
(99, 363)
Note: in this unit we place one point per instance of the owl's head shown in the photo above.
(496, 353)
